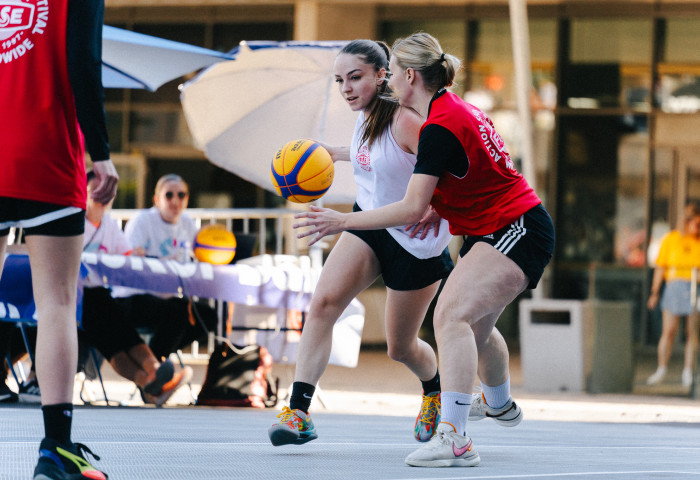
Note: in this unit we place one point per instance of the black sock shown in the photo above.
(57, 421)
(301, 396)
(432, 385)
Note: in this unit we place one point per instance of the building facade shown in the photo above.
(615, 106)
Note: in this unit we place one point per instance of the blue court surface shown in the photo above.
(203, 443)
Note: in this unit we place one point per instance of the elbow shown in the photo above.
(414, 214)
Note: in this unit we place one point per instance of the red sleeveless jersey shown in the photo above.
(41, 146)
(492, 194)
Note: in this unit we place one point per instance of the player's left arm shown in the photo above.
(84, 50)
(409, 210)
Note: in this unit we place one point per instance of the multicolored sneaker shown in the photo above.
(507, 416)
(294, 427)
(428, 417)
(164, 374)
(445, 449)
(65, 462)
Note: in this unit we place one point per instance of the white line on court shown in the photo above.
(364, 444)
(567, 474)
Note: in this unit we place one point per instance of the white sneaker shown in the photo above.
(687, 377)
(29, 392)
(445, 449)
(657, 376)
(509, 415)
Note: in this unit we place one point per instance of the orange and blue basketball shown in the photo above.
(214, 244)
(302, 171)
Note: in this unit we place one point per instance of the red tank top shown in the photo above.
(41, 146)
(492, 194)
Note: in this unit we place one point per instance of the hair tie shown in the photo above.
(442, 57)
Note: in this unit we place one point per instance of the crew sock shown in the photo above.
(496, 397)
(455, 410)
(58, 420)
(302, 393)
(432, 385)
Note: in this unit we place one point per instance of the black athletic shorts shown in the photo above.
(400, 269)
(105, 325)
(529, 242)
(39, 218)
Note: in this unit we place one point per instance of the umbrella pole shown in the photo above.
(521, 63)
(523, 74)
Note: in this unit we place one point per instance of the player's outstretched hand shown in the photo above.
(321, 222)
(107, 179)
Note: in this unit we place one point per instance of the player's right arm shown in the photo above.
(338, 154)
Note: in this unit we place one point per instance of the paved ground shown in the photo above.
(198, 443)
(365, 433)
(379, 386)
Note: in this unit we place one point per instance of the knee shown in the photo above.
(324, 307)
(669, 333)
(445, 317)
(398, 352)
(491, 341)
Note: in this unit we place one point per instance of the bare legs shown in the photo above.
(55, 263)
(482, 284)
(138, 364)
(350, 268)
(669, 330)
(405, 312)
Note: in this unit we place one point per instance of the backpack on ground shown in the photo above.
(239, 377)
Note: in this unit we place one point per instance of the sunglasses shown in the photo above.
(180, 195)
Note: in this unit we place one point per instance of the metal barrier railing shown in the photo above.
(227, 216)
(249, 217)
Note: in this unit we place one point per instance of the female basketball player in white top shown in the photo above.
(383, 155)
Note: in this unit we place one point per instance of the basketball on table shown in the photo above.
(214, 244)
(302, 171)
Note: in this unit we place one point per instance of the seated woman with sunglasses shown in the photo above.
(165, 231)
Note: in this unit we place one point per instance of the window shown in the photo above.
(679, 71)
(609, 64)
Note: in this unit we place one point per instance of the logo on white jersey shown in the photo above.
(20, 22)
(363, 159)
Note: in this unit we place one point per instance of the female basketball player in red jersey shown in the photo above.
(51, 99)
(465, 173)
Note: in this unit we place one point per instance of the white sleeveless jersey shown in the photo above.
(382, 174)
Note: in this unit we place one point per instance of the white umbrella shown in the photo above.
(134, 60)
(242, 111)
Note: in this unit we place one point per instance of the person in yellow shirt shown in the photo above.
(678, 255)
